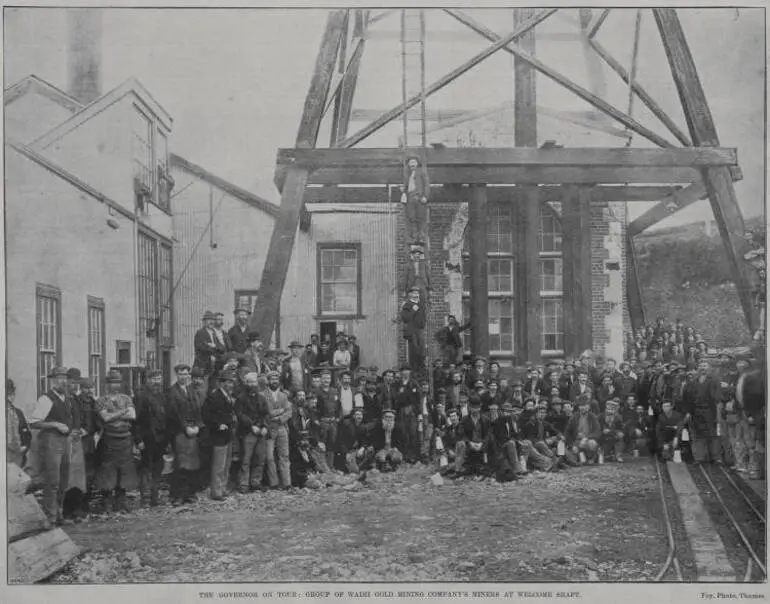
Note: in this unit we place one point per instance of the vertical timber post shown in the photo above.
(633, 288)
(477, 222)
(576, 244)
(718, 180)
(527, 202)
(285, 230)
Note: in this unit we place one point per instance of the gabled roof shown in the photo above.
(233, 190)
(130, 86)
(32, 83)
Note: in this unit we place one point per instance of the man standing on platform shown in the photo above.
(451, 340)
(415, 194)
(417, 274)
(413, 316)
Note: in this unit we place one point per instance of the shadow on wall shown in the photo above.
(685, 273)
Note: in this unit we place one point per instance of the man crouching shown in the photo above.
(386, 439)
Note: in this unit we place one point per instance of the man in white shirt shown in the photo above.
(346, 393)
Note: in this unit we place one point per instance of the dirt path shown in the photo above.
(596, 523)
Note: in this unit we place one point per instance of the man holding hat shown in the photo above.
(295, 373)
(238, 333)
(280, 412)
(218, 413)
(151, 436)
(117, 470)
(53, 416)
(414, 195)
(413, 317)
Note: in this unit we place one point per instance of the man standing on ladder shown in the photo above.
(415, 196)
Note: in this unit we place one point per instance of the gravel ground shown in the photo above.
(598, 523)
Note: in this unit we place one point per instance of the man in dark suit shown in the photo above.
(295, 373)
(473, 449)
(355, 352)
(386, 438)
(407, 407)
(450, 337)
(184, 424)
(533, 386)
(206, 345)
(239, 332)
(415, 193)
(218, 414)
(413, 317)
(151, 436)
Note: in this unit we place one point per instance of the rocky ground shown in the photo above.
(599, 523)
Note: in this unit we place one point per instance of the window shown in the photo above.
(164, 176)
(500, 325)
(155, 306)
(339, 279)
(500, 229)
(122, 352)
(48, 304)
(246, 298)
(551, 324)
(166, 305)
(551, 282)
(141, 149)
(96, 344)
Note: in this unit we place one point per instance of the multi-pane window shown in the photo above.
(500, 229)
(141, 149)
(48, 304)
(166, 311)
(552, 323)
(551, 282)
(96, 343)
(500, 324)
(246, 298)
(164, 178)
(339, 280)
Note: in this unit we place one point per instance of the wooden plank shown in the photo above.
(718, 180)
(18, 480)
(440, 195)
(344, 103)
(587, 157)
(455, 37)
(25, 517)
(633, 288)
(36, 558)
(576, 246)
(641, 92)
(594, 29)
(444, 80)
(479, 303)
(560, 79)
(711, 561)
(499, 175)
(672, 204)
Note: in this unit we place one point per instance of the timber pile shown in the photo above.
(36, 549)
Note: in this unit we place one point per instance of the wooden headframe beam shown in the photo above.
(593, 29)
(560, 79)
(670, 205)
(640, 92)
(284, 233)
(343, 103)
(633, 287)
(444, 80)
(479, 300)
(442, 195)
(718, 180)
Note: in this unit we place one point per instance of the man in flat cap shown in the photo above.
(330, 415)
(386, 438)
(151, 436)
(583, 431)
(613, 436)
(53, 416)
(413, 317)
(238, 333)
(218, 413)
(295, 373)
(117, 472)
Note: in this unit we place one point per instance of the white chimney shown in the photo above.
(84, 54)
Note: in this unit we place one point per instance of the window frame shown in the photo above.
(48, 292)
(97, 304)
(251, 293)
(549, 295)
(339, 246)
(155, 244)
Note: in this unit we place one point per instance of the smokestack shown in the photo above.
(84, 54)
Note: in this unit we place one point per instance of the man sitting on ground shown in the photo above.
(386, 438)
(507, 435)
(354, 443)
(583, 432)
(473, 448)
(544, 438)
(667, 431)
(612, 439)
(637, 430)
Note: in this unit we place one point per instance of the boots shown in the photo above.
(120, 504)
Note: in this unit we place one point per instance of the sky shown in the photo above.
(234, 80)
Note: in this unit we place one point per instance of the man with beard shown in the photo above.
(583, 432)
(372, 408)
(278, 443)
(206, 345)
(612, 439)
(506, 432)
(184, 423)
(454, 389)
(638, 427)
(544, 438)
(451, 340)
(330, 414)
(386, 438)
(477, 372)
(151, 436)
(407, 405)
(667, 431)
(218, 414)
(699, 401)
(253, 414)
(567, 380)
(117, 472)
(346, 394)
(239, 332)
(627, 383)
(387, 391)
(354, 443)
(413, 317)
(295, 374)
(473, 449)
(533, 385)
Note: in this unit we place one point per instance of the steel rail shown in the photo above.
(736, 526)
(671, 558)
(743, 494)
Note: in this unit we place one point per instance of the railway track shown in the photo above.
(739, 516)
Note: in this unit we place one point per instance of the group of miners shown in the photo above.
(242, 418)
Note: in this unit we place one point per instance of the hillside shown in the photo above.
(684, 272)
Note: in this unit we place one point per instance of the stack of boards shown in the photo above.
(36, 549)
